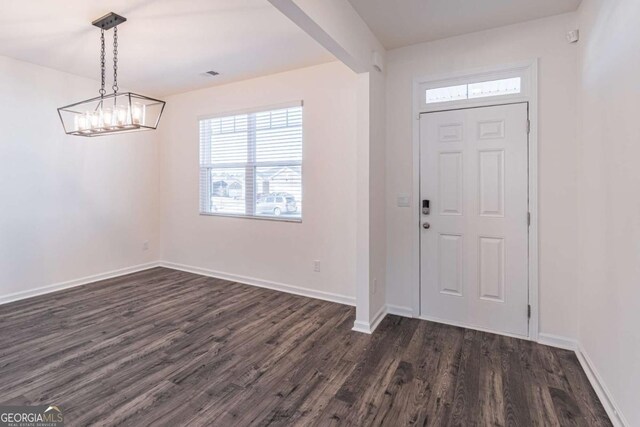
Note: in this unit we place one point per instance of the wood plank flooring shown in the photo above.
(164, 347)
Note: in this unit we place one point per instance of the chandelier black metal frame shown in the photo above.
(116, 112)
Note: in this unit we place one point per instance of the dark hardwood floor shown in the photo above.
(163, 347)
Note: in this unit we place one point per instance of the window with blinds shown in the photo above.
(251, 164)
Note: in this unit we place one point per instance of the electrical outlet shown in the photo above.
(145, 246)
(316, 266)
(375, 285)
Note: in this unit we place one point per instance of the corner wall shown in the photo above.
(377, 196)
(543, 39)
(270, 252)
(72, 207)
(336, 25)
(609, 198)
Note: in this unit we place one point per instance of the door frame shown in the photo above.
(528, 71)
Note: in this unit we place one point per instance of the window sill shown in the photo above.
(262, 218)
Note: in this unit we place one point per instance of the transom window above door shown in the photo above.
(476, 90)
(251, 164)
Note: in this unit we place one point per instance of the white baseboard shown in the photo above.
(616, 416)
(558, 341)
(613, 410)
(290, 289)
(5, 299)
(588, 367)
(360, 326)
(368, 328)
(398, 310)
(379, 317)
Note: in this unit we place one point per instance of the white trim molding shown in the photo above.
(605, 396)
(368, 328)
(398, 310)
(558, 341)
(290, 289)
(17, 296)
(528, 71)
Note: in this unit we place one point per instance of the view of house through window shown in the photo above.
(251, 164)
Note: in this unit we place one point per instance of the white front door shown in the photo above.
(474, 255)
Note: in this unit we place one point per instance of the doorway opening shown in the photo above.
(475, 170)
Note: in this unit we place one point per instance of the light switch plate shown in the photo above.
(403, 201)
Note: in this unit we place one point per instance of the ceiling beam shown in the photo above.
(336, 26)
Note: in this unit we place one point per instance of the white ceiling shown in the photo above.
(399, 23)
(165, 46)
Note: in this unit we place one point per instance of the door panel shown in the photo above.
(491, 183)
(492, 269)
(450, 251)
(450, 179)
(474, 255)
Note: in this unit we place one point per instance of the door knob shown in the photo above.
(426, 225)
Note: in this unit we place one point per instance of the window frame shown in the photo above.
(251, 164)
(469, 95)
(471, 77)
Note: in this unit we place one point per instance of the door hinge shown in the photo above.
(528, 218)
(528, 126)
(528, 311)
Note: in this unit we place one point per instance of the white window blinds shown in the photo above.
(251, 164)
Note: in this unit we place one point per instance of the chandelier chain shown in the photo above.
(110, 113)
(102, 64)
(115, 60)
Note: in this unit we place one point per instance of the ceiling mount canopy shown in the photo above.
(109, 21)
(116, 112)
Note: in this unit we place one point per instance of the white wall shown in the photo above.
(377, 194)
(544, 39)
(609, 199)
(280, 252)
(70, 207)
(337, 26)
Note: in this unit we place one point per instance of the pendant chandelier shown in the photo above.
(116, 112)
